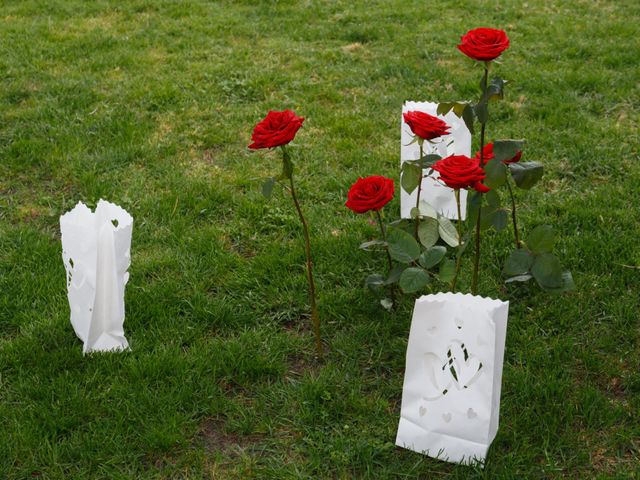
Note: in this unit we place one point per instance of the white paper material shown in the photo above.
(96, 255)
(458, 142)
(451, 392)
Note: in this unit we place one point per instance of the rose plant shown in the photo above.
(415, 247)
(278, 129)
(501, 160)
(411, 262)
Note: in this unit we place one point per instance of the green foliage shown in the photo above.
(411, 176)
(447, 270)
(374, 281)
(547, 271)
(428, 231)
(541, 239)
(447, 231)
(495, 89)
(267, 187)
(413, 279)
(536, 261)
(373, 245)
(526, 174)
(432, 256)
(496, 172)
(518, 263)
(506, 149)
(402, 246)
(481, 110)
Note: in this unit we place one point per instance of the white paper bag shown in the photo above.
(96, 255)
(451, 392)
(458, 142)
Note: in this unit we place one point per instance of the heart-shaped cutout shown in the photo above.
(437, 379)
(467, 367)
(422, 410)
(446, 417)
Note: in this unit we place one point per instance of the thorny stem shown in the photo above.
(459, 228)
(419, 191)
(315, 318)
(476, 265)
(513, 216)
(384, 237)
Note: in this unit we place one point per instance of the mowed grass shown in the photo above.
(150, 104)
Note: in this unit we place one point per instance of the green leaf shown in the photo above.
(387, 304)
(506, 149)
(495, 90)
(526, 174)
(413, 279)
(485, 219)
(428, 160)
(411, 177)
(519, 278)
(493, 198)
(444, 108)
(432, 256)
(448, 231)
(428, 231)
(427, 210)
(467, 116)
(402, 246)
(287, 167)
(373, 245)
(518, 263)
(458, 108)
(394, 274)
(447, 270)
(499, 219)
(374, 281)
(541, 239)
(496, 172)
(547, 271)
(267, 187)
(567, 284)
(482, 112)
(474, 200)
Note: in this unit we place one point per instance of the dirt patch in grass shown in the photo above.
(215, 439)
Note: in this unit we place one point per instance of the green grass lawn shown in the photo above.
(150, 104)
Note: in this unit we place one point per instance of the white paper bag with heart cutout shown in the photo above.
(458, 142)
(96, 255)
(453, 376)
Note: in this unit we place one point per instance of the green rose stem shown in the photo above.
(420, 142)
(513, 215)
(315, 319)
(459, 229)
(476, 264)
(384, 237)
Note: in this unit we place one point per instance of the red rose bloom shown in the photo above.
(484, 44)
(371, 193)
(487, 154)
(460, 171)
(424, 125)
(277, 128)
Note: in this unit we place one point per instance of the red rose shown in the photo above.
(460, 171)
(277, 128)
(371, 193)
(484, 44)
(487, 154)
(424, 125)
